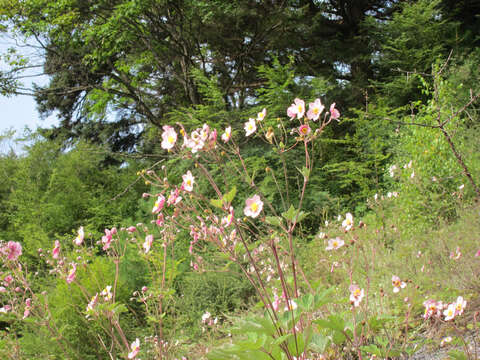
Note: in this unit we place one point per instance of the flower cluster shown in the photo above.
(108, 237)
(207, 319)
(104, 296)
(283, 302)
(435, 309)
(11, 250)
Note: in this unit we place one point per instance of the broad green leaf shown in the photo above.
(318, 343)
(217, 203)
(334, 322)
(296, 347)
(281, 339)
(290, 213)
(230, 195)
(371, 349)
(273, 220)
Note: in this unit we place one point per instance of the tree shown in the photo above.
(118, 65)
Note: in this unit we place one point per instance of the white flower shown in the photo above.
(205, 317)
(250, 127)
(261, 115)
(334, 244)
(227, 134)
(188, 181)
(347, 224)
(391, 170)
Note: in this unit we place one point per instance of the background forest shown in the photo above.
(403, 157)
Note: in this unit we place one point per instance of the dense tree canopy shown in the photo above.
(115, 66)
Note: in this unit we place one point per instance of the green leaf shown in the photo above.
(290, 213)
(296, 347)
(302, 215)
(323, 298)
(281, 339)
(338, 338)
(305, 172)
(334, 322)
(231, 195)
(318, 343)
(217, 203)
(371, 349)
(273, 220)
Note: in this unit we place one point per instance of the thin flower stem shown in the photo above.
(278, 189)
(210, 179)
(284, 166)
(285, 291)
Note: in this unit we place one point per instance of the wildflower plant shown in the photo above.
(255, 233)
(231, 220)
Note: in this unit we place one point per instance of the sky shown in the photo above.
(19, 112)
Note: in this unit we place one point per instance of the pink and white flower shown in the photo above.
(108, 237)
(188, 181)
(205, 317)
(107, 293)
(253, 206)
(432, 308)
(250, 127)
(292, 303)
(227, 220)
(334, 244)
(7, 280)
(134, 349)
(356, 295)
(227, 134)
(80, 237)
(160, 220)
(334, 113)
(91, 305)
(304, 130)
(460, 306)
(148, 243)
(315, 109)
(158, 206)
(72, 274)
(174, 198)
(297, 109)
(28, 307)
(261, 115)
(449, 313)
(169, 137)
(397, 284)
(56, 250)
(392, 169)
(6, 308)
